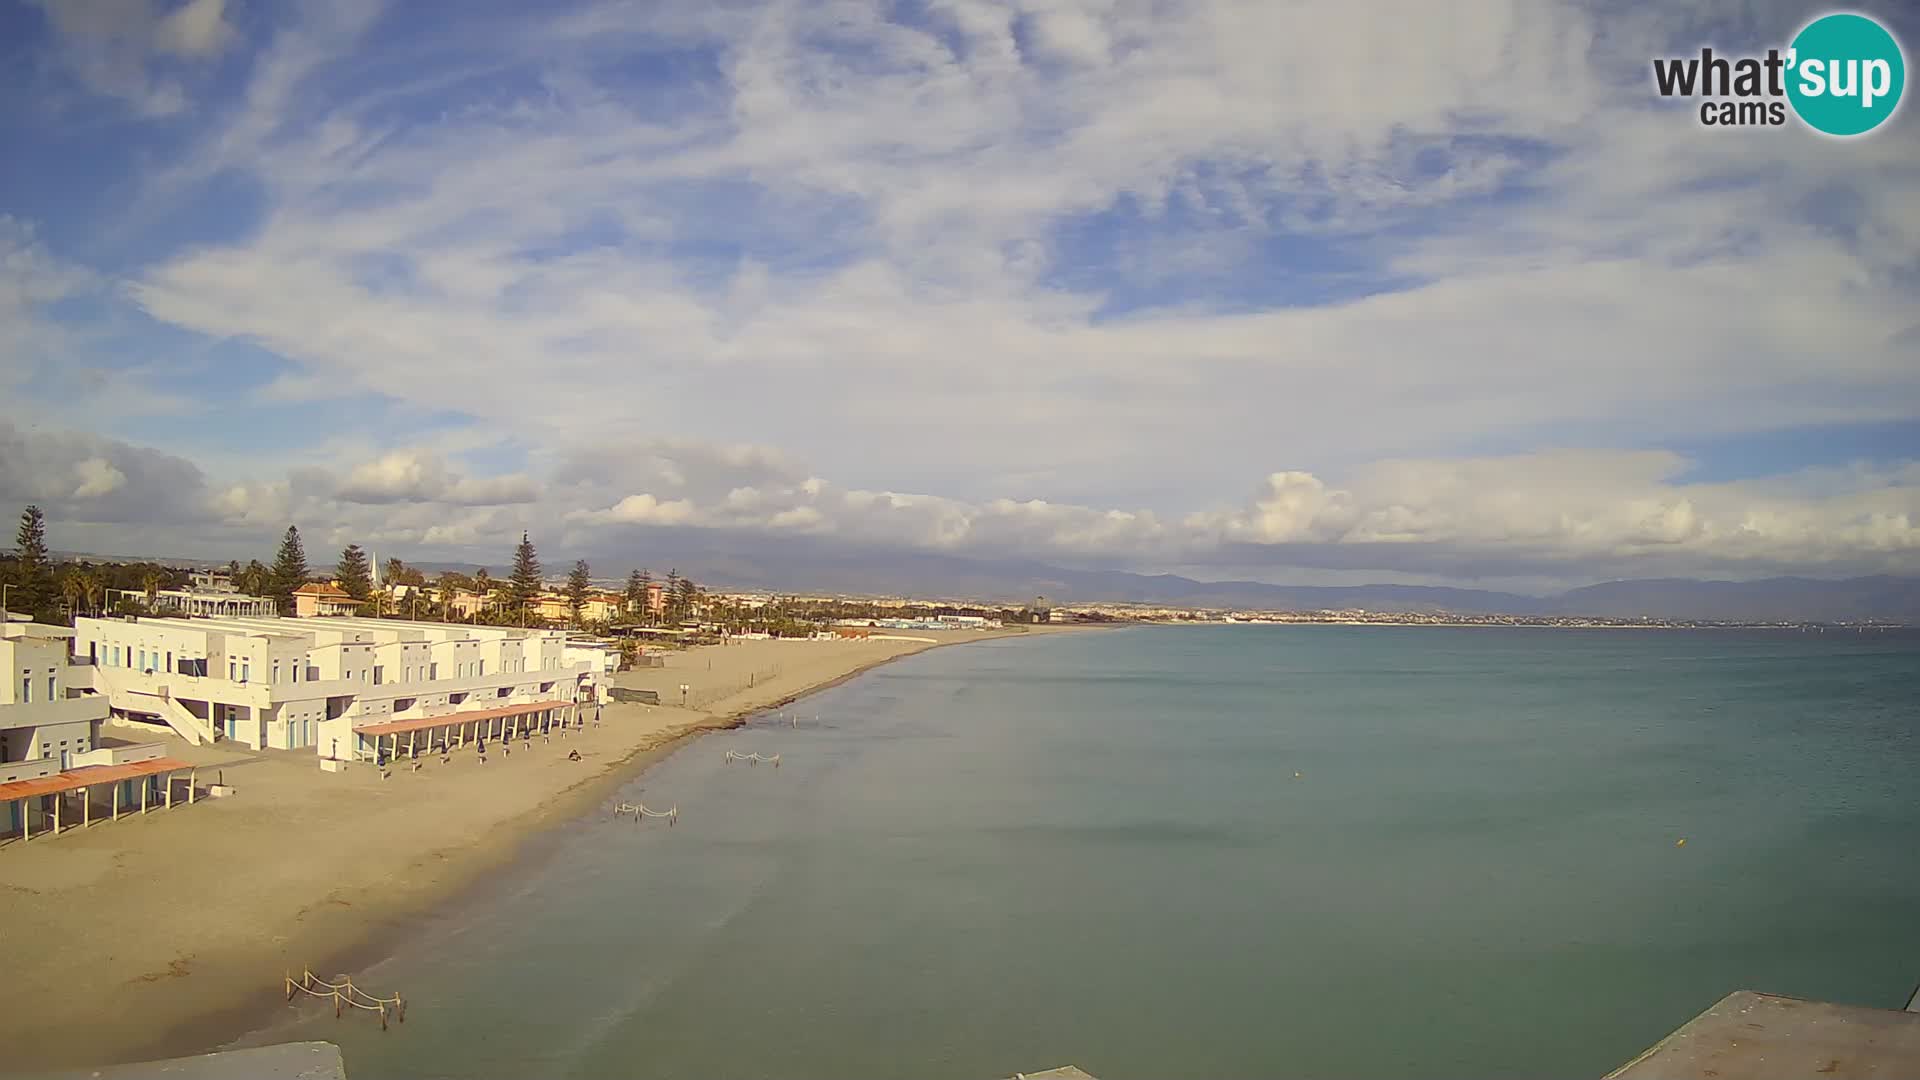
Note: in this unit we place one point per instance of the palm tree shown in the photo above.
(483, 584)
(91, 587)
(150, 583)
(72, 590)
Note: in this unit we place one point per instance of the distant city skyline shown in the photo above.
(1232, 290)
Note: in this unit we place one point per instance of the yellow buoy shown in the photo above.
(1682, 842)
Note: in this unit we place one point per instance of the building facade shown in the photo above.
(297, 684)
(48, 713)
(316, 600)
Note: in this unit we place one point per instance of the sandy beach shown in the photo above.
(165, 934)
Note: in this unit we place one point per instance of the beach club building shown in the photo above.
(53, 770)
(332, 685)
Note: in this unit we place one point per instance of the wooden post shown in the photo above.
(86, 809)
(169, 776)
(116, 800)
(146, 785)
(57, 800)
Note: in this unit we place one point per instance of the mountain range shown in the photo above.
(816, 567)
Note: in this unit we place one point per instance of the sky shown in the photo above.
(1290, 290)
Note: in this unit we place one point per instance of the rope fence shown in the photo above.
(752, 759)
(641, 811)
(705, 696)
(343, 994)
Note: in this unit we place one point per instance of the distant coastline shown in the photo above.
(1540, 622)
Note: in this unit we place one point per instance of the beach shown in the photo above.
(164, 934)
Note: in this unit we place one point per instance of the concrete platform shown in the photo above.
(1750, 1036)
(1065, 1072)
(286, 1061)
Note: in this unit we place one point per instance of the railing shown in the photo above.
(641, 811)
(344, 994)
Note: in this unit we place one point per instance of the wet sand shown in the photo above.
(166, 934)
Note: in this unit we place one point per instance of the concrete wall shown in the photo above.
(119, 755)
(29, 664)
(28, 770)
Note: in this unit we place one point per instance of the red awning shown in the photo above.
(418, 723)
(74, 779)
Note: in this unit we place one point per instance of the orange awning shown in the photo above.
(74, 779)
(401, 727)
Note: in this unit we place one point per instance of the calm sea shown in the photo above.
(1212, 852)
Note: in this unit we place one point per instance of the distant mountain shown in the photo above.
(1892, 599)
(803, 564)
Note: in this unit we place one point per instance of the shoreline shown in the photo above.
(223, 991)
(513, 854)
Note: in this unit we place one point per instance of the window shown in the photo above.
(480, 668)
(143, 659)
(26, 689)
(433, 671)
(50, 691)
(233, 668)
(246, 670)
(169, 659)
(377, 672)
(276, 672)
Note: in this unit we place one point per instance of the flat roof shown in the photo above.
(401, 727)
(1750, 1036)
(74, 779)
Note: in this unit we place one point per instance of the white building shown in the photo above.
(50, 754)
(291, 684)
(48, 713)
(601, 657)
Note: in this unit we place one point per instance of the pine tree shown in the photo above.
(645, 609)
(356, 576)
(524, 583)
(670, 596)
(579, 584)
(33, 591)
(689, 596)
(289, 569)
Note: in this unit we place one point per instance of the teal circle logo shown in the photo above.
(1845, 74)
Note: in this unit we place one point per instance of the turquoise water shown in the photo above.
(1093, 849)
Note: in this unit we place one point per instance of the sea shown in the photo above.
(1228, 851)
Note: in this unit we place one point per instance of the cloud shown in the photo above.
(1050, 277)
(113, 47)
(419, 476)
(85, 479)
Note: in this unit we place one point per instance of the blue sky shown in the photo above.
(1284, 291)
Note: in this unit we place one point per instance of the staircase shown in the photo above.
(129, 696)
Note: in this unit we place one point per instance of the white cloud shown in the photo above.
(98, 477)
(420, 476)
(1058, 276)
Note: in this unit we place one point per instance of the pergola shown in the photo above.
(152, 774)
(455, 730)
